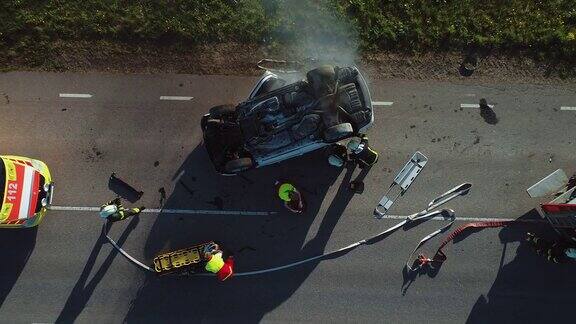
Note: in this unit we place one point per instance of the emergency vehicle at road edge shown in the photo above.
(26, 190)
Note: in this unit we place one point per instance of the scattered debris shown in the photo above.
(468, 65)
(93, 154)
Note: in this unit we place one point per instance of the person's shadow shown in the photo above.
(17, 246)
(529, 289)
(83, 288)
(258, 242)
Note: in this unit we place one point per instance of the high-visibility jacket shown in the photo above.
(222, 269)
(284, 191)
(215, 263)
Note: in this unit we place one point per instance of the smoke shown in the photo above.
(311, 31)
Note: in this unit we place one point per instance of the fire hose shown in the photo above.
(440, 257)
(447, 213)
(424, 215)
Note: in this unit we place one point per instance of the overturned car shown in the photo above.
(280, 121)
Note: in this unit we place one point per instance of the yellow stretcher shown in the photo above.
(188, 260)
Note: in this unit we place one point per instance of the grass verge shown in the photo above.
(33, 32)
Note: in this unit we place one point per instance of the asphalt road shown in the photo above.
(65, 272)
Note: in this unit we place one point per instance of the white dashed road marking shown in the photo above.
(178, 98)
(567, 108)
(473, 106)
(382, 103)
(171, 211)
(461, 219)
(76, 95)
(257, 213)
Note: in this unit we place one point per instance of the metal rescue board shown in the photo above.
(403, 179)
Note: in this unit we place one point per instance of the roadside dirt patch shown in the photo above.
(241, 59)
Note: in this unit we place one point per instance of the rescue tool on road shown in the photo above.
(26, 191)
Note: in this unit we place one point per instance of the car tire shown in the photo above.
(238, 165)
(221, 111)
(322, 80)
(338, 132)
(212, 126)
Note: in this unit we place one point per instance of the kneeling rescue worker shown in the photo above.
(113, 211)
(557, 252)
(216, 264)
(290, 196)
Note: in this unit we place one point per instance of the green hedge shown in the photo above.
(543, 26)
(446, 24)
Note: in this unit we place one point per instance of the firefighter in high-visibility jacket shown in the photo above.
(361, 152)
(223, 269)
(560, 251)
(291, 197)
(113, 211)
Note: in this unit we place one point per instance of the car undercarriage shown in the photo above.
(282, 121)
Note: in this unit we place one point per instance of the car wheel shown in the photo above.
(322, 80)
(221, 111)
(338, 132)
(238, 165)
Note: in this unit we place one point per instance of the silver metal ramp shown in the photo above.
(402, 182)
